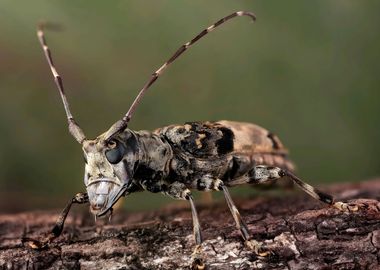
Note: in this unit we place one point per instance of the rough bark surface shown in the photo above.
(303, 233)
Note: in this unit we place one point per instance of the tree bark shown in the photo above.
(301, 232)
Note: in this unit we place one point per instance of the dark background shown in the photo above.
(308, 71)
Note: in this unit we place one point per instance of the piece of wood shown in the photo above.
(303, 233)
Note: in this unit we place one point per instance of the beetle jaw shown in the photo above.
(103, 193)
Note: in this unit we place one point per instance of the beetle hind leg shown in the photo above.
(319, 195)
(262, 174)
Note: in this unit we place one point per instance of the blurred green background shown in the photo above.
(306, 70)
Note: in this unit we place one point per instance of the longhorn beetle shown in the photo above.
(205, 156)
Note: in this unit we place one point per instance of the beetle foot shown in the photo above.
(346, 207)
(258, 248)
(34, 243)
(197, 259)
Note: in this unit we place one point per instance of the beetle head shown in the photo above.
(109, 169)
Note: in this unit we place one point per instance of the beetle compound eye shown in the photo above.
(115, 153)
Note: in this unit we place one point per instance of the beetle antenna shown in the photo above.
(74, 128)
(122, 124)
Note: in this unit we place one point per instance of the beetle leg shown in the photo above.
(197, 254)
(319, 195)
(240, 224)
(79, 198)
(262, 174)
(179, 191)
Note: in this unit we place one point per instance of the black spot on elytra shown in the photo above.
(198, 138)
(274, 139)
(202, 139)
(234, 167)
(226, 143)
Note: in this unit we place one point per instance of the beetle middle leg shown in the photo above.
(79, 198)
(217, 184)
(179, 191)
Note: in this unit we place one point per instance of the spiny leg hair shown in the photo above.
(121, 124)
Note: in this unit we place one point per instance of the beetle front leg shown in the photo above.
(79, 198)
(180, 191)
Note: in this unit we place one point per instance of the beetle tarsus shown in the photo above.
(346, 207)
(34, 243)
(197, 259)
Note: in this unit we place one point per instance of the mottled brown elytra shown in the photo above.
(205, 156)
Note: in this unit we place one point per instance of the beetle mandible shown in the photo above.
(173, 160)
